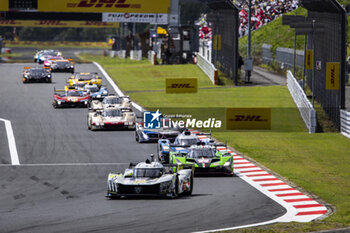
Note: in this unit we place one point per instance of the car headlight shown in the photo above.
(145, 136)
(71, 66)
(165, 186)
(105, 92)
(98, 96)
(26, 76)
(49, 76)
(166, 147)
(216, 163)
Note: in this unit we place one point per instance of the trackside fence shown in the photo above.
(345, 123)
(208, 68)
(306, 110)
(121, 54)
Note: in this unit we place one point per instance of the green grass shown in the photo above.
(10, 55)
(318, 163)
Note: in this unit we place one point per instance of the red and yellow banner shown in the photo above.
(57, 24)
(124, 6)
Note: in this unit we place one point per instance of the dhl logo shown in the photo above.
(50, 23)
(181, 85)
(103, 3)
(9, 22)
(248, 118)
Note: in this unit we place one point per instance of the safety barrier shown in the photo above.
(121, 54)
(152, 57)
(345, 123)
(208, 68)
(136, 55)
(306, 110)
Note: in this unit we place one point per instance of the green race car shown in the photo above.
(207, 159)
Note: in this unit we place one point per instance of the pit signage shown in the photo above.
(332, 75)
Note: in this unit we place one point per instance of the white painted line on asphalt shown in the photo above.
(115, 87)
(11, 141)
(63, 164)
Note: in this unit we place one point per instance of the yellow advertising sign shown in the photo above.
(4, 5)
(332, 76)
(181, 85)
(248, 118)
(309, 60)
(217, 42)
(123, 6)
(57, 24)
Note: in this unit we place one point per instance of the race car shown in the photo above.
(207, 159)
(69, 98)
(85, 78)
(94, 92)
(47, 63)
(36, 74)
(46, 55)
(38, 53)
(60, 65)
(186, 138)
(151, 178)
(153, 135)
(111, 118)
(111, 101)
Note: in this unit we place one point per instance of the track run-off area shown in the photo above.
(58, 182)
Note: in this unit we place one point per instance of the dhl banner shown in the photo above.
(117, 6)
(332, 75)
(57, 24)
(248, 118)
(4, 5)
(181, 85)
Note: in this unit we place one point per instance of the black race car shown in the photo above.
(36, 74)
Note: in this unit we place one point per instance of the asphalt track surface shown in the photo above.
(61, 183)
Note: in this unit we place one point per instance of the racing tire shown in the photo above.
(49, 80)
(175, 193)
(189, 193)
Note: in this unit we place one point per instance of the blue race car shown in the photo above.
(185, 139)
(94, 92)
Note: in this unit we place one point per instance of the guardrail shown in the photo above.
(306, 110)
(208, 68)
(136, 55)
(152, 57)
(345, 123)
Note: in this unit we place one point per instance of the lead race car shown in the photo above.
(111, 118)
(151, 178)
(36, 74)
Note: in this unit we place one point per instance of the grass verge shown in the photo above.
(318, 163)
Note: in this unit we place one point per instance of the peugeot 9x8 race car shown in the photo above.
(111, 118)
(36, 75)
(151, 179)
(70, 98)
(111, 101)
(205, 158)
(85, 78)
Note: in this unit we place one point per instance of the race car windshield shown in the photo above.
(62, 63)
(201, 152)
(111, 101)
(73, 93)
(111, 113)
(92, 88)
(38, 71)
(148, 172)
(186, 141)
(85, 76)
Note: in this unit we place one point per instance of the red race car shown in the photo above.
(70, 98)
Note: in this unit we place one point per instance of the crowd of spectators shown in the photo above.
(263, 12)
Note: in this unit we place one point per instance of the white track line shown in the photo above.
(11, 141)
(64, 164)
(115, 87)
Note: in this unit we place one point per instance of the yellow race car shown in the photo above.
(80, 79)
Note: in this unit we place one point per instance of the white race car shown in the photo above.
(111, 101)
(151, 179)
(111, 118)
